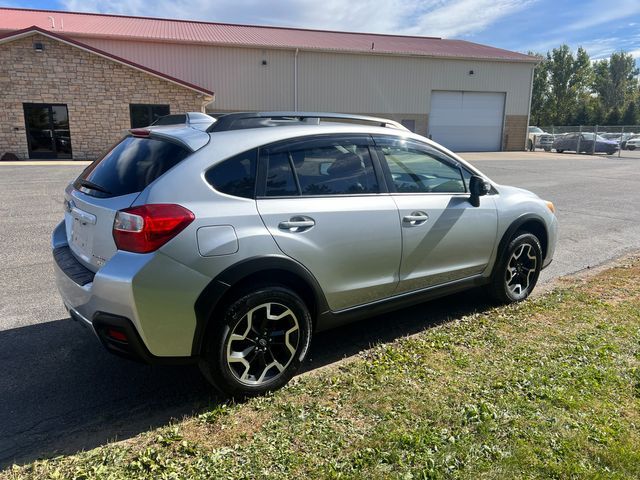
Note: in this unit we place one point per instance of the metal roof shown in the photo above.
(182, 31)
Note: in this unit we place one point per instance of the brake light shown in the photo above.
(140, 132)
(146, 228)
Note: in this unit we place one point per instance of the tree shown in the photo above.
(582, 113)
(614, 117)
(567, 88)
(630, 116)
(540, 92)
(615, 80)
(569, 78)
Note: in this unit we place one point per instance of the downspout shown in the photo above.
(526, 136)
(295, 81)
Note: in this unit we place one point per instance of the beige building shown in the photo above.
(72, 83)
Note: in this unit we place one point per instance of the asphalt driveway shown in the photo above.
(60, 392)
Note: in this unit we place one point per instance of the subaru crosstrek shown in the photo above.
(229, 247)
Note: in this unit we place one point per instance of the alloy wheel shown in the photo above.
(521, 270)
(263, 343)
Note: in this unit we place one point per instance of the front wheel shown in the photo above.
(259, 343)
(516, 273)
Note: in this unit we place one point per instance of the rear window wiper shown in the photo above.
(93, 186)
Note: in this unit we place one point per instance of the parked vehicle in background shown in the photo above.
(620, 138)
(230, 247)
(538, 138)
(198, 120)
(584, 143)
(633, 142)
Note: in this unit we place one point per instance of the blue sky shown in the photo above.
(600, 26)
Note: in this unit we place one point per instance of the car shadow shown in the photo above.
(63, 393)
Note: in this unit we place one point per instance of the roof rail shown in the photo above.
(242, 120)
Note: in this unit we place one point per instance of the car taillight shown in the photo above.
(146, 228)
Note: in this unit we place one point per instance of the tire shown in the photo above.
(559, 150)
(547, 149)
(631, 147)
(273, 355)
(524, 249)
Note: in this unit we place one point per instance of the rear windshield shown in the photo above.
(129, 167)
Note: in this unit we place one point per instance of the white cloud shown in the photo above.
(445, 18)
(595, 13)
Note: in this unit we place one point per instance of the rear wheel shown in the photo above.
(559, 150)
(259, 343)
(516, 273)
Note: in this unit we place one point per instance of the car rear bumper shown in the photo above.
(135, 294)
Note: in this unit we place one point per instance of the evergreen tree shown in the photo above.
(630, 116)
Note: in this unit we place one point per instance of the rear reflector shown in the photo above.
(117, 335)
(146, 228)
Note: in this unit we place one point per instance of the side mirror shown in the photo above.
(478, 187)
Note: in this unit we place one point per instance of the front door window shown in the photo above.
(48, 134)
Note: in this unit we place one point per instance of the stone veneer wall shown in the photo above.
(514, 137)
(96, 90)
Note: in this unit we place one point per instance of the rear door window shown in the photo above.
(320, 166)
(129, 167)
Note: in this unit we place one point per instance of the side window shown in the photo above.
(336, 169)
(417, 168)
(280, 179)
(319, 167)
(235, 176)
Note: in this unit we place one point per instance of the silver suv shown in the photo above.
(231, 246)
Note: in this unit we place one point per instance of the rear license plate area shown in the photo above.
(82, 237)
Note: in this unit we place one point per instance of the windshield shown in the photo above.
(589, 136)
(535, 130)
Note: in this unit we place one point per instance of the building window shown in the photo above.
(144, 115)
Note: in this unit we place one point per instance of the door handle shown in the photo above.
(416, 218)
(297, 224)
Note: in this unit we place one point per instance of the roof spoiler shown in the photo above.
(190, 138)
(242, 120)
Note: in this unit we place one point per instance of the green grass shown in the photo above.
(549, 388)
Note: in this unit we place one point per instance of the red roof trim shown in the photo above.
(56, 36)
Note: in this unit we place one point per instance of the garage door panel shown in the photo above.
(465, 121)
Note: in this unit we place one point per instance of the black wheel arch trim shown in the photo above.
(209, 299)
(515, 226)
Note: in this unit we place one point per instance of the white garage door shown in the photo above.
(467, 121)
